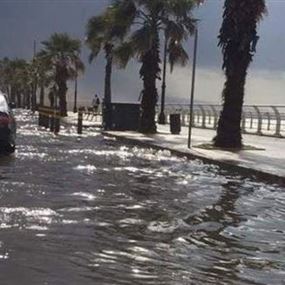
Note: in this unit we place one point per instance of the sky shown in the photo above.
(24, 21)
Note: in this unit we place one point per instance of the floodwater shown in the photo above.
(93, 211)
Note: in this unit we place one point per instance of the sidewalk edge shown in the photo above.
(226, 165)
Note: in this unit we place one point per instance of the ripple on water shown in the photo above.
(85, 196)
(28, 218)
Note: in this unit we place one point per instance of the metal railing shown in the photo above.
(257, 120)
(91, 114)
(263, 120)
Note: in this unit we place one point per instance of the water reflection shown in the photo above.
(208, 227)
(88, 210)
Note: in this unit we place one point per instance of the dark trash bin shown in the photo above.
(121, 117)
(175, 124)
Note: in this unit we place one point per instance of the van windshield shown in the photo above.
(3, 104)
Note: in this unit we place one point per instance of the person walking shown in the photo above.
(96, 103)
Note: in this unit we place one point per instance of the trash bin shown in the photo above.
(175, 124)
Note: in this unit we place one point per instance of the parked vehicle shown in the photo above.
(7, 126)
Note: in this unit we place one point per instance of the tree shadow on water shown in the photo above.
(212, 234)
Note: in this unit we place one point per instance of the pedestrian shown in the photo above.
(96, 103)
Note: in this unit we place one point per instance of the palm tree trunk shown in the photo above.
(34, 96)
(51, 99)
(13, 95)
(61, 79)
(75, 94)
(62, 89)
(19, 101)
(161, 118)
(229, 126)
(42, 95)
(149, 72)
(8, 93)
(238, 39)
(25, 99)
(108, 90)
(108, 73)
(28, 102)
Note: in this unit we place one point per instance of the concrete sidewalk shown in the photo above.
(266, 159)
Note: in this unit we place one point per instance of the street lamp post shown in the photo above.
(75, 94)
(76, 85)
(35, 85)
(161, 117)
(193, 88)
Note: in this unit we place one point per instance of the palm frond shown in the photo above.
(142, 39)
(177, 55)
(95, 45)
(123, 54)
(120, 17)
(175, 30)
(96, 26)
(61, 53)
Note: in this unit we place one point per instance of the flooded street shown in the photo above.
(93, 211)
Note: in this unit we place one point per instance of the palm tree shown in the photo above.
(148, 19)
(45, 74)
(27, 85)
(33, 81)
(97, 39)
(17, 80)
(5, 76)
(62, 52)
(238, 39)
(103, 33)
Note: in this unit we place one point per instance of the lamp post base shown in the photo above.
(161, 119)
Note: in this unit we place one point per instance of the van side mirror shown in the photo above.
(12, 105)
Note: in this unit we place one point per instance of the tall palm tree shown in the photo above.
(19, 81)
(238, 39)
(5, 76)
(63, 54)
(45, 74)
(97, 39)
(148, 20)
(16, 80)
(33, 80)
(103, 33)
(27, 78)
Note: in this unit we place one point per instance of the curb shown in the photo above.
(228, 166)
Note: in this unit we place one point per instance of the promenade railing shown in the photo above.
(263, 120)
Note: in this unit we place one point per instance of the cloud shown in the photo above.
(262, 87)
(265, 87)
(21, 22)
